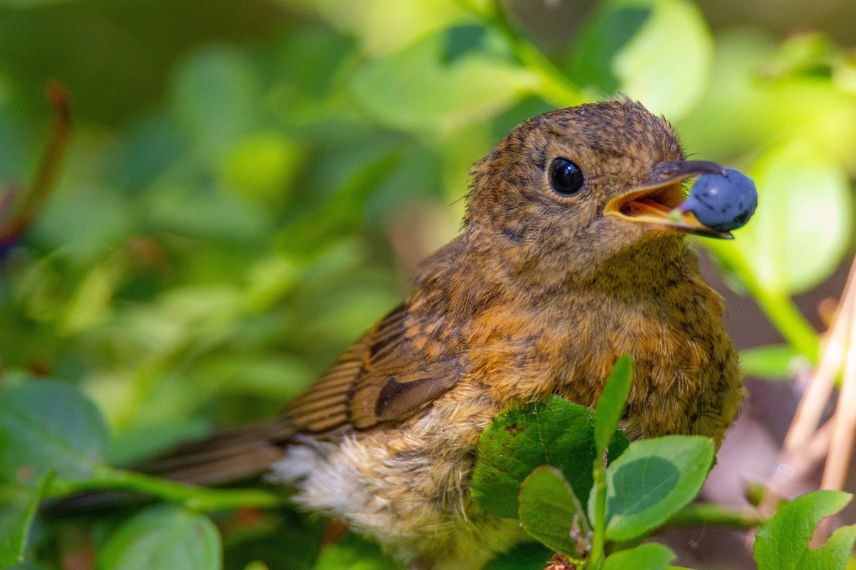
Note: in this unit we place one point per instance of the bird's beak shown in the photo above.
(655, 201)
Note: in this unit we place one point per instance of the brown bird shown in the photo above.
(567, 260)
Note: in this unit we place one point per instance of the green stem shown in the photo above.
(596, 557)
(716, 515)
(778, 307)
(197, 498)
(786, 317)
(34, 200)
(554, 86)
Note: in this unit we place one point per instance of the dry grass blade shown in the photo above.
(841, 446)
(806, 443)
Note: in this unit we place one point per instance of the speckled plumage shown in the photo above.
(539, 295)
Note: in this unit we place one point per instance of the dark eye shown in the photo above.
(566, 178)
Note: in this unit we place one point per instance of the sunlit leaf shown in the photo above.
(805, 52)
(443, 81)
(746, 112)
(652, 480)
(382, 26)
(261, 167)
(91, 301)
(629, 47)
(771, 362)
(782, 543)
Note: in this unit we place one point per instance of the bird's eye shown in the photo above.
(566, 178)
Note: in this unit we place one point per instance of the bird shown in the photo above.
(566, 260)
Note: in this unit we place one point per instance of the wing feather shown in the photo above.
(381, 378)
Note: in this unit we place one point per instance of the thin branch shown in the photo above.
(817, 394)
(201, 499)
(554, 85)
(715, 515)
(34, 199)
(806, 444)
(841, 446)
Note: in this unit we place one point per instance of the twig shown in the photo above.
(201, 499)
(33, 201)
(715, 515)
(795, 467)
(820, 387)
(841, 446)
(806, 444)
(554, 85)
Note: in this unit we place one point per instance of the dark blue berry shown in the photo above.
(720, 202)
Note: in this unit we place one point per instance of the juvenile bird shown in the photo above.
(568, 258)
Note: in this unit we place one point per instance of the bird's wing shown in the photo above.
(380, 378)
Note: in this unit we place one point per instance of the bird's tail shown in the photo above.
(225, 457)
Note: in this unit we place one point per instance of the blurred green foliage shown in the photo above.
(250, 186)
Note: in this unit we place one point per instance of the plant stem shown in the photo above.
(197, 498)
(599, 515)
(554, 85)
(716, 515)
(34, 200)
(778, 307)
(783, 313)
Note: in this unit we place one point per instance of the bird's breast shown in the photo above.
(685, 364)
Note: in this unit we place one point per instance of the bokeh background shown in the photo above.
(251, 183)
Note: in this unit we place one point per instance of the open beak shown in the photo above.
(657, 201)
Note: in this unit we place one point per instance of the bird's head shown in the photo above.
(574, 188)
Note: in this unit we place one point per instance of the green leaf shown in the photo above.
(556, 433)
(163, 537)
(353, 553)
(644, 557)
(652, 480)
(262, 166)
(610, 405)
(48, 425)
(443, 81)
(18, 506)
(379, 25)
(551, 513)
(802, 227)
(771, 362)
(527, 556)
(215, 99)
(804, 52)
(782, 542)
(85, 234)
(628, 47)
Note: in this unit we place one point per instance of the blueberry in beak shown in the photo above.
(723, 202)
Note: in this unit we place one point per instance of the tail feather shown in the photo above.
(225, 457)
